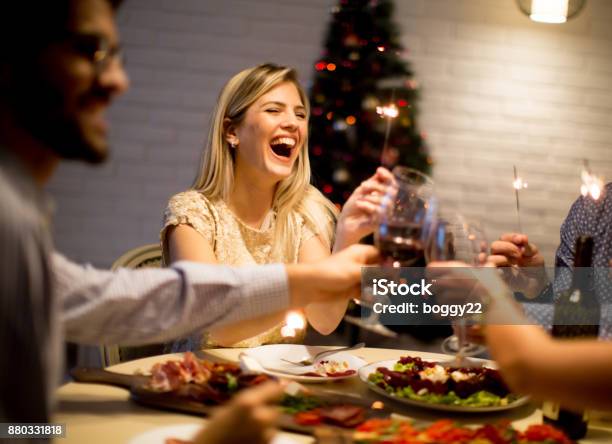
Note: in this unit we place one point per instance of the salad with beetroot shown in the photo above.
(430, 382)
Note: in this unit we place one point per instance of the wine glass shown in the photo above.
(406, 214)
(453, 238)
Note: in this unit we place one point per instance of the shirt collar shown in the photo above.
(17, 174)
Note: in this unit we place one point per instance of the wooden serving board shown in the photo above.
(139, 393)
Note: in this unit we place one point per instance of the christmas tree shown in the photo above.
(363, 101)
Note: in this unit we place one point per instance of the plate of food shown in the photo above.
(312, 409)
(171, 434)
(276, 360)
(446, 431)
(186, 383)
(185, 434)
(425, 383)
(191, 385)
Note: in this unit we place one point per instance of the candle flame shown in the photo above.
(287, 332)
(294, 321)
(390, 111)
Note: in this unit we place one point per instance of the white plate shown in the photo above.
(186, 432)
(269, 357)
(365, 371)
(158, 435)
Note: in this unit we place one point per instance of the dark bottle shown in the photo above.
(577, 314)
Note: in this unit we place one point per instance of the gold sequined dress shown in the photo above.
(233, 243)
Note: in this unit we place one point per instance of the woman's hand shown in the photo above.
(359, 216)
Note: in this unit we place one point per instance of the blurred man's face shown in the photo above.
(77, 77)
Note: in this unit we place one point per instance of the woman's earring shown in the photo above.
(233, 145)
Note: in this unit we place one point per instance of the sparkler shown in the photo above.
(592, 185)
(388, 112)
(518, 184)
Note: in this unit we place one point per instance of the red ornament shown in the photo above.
(328, 188)
(320, 66)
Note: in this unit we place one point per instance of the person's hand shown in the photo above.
(247, 418)
(474, 334)
(456, 283)
(522, 263)
(359, 216)
(337, 276)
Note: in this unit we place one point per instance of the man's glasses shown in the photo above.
(97, 49)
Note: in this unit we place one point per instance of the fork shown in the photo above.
(312, 359)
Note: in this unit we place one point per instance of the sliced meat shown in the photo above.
(344, 415)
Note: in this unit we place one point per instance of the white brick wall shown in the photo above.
(497, 90)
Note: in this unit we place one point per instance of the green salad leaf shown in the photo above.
(399, 367)
(300, 403)
(232, 382)
(481, 398)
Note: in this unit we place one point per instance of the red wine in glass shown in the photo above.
(401, 246)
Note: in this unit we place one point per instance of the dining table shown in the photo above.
(94, 413)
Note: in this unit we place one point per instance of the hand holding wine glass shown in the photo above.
(453, 238)
(406, 213)
(522, 263)
(360, 213)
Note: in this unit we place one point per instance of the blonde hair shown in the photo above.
(294, 195)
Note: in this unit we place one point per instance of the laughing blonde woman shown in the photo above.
(252, 201)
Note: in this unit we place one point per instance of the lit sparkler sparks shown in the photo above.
(294, 321)
(592, 185)
(518, 185)
(388, 112)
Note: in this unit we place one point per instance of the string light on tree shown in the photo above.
(341, 175)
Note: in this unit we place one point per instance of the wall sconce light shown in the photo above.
(551, 11)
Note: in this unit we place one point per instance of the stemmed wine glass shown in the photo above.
(406, 214)
(453, 238)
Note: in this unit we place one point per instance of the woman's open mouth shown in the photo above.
(282, 146)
